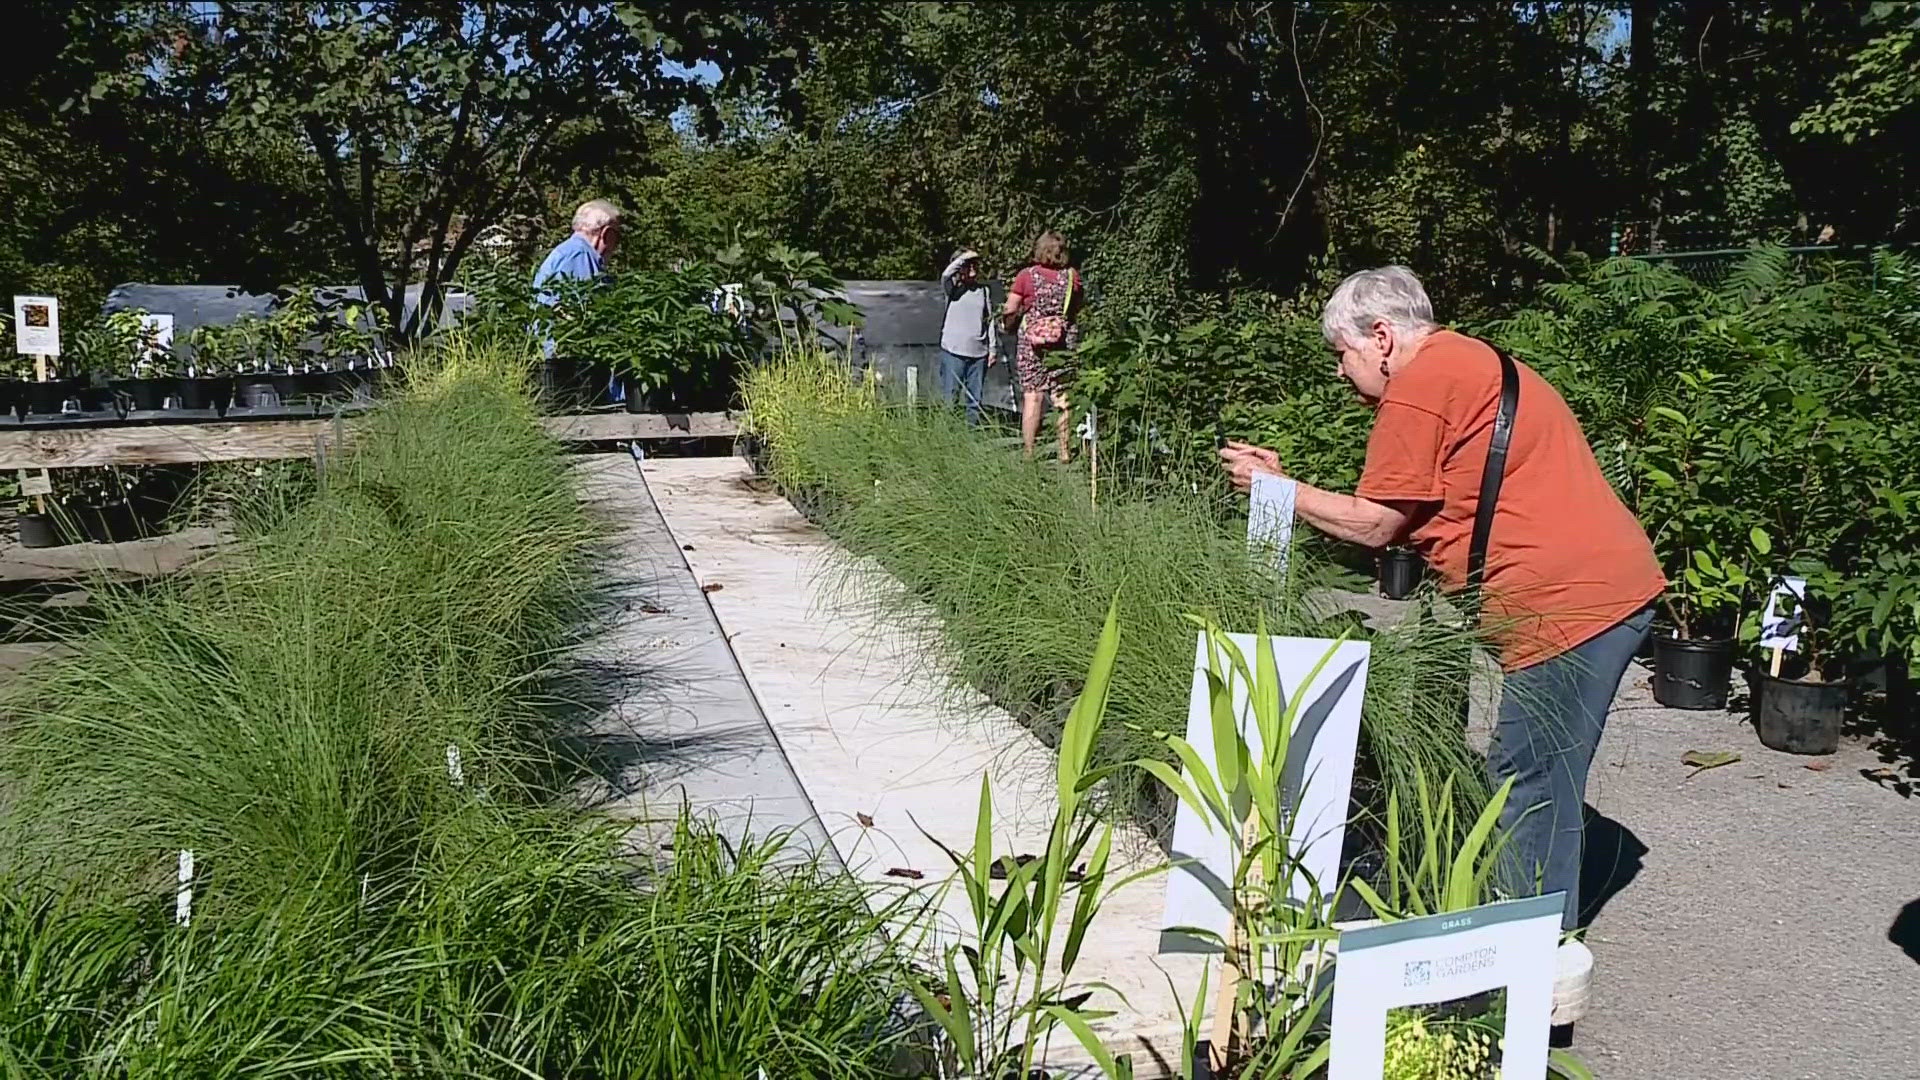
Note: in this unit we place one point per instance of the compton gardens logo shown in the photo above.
(1422, 972)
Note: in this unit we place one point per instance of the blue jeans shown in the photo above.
(966, 374)
(1551, 717)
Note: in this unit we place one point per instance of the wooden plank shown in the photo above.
(185, 444)
(162, 444)
(614, 426)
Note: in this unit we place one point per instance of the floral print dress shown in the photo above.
(1047, 295)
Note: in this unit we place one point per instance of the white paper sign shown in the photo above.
(36, 325)
(35, 482)
(1318, 778)
(1439, 958)
(1778, 629)
(1270, 516)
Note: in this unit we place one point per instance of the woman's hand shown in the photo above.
(1242, 460)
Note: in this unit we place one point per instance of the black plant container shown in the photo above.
(256, 390)
(211, 392)
(1796, 716)
(1400, 572)
(49, 398)
(1692, 674)
(146, 395)
(39, 531)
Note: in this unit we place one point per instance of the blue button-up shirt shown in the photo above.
(571, 258)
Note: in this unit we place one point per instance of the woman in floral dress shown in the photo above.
(1049, 294)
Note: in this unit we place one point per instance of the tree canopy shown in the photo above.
(1185, 147)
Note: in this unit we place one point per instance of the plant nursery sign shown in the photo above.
(1780, 629)
(1270, 517)
(36, 325)
(1504, 950)
(1317, 776)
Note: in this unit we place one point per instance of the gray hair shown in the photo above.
(1389, 294)
(594, 216)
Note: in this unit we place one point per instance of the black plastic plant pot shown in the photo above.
(569, 384)
(39, 531)
(1400, 572)
(48, 398)
(212, 392)
(354, 384)
(108, 524)
(302, 386)
(1692, 674)
(256, 391)
(146, 395)
(648, 399)
(1796, 716)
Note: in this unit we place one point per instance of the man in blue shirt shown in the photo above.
(582, 256)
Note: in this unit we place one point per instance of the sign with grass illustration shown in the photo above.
(1272, 726)
(1498, 956)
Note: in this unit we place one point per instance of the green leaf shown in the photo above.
(1762, 543)
(1091, 1042)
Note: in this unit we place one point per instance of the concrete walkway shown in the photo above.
(1743, 914)
(885, 754)
(671, 720)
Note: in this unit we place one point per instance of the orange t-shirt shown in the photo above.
(1566, 559)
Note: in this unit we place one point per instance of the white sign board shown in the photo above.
(1779, 629)
(36, 325)
(1270, 517)
(1509, 946)
(1318, 777)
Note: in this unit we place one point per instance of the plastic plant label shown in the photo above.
(36, 325)
(1270, 517)
(1318, 777)
(1508, 947)
(1780, 629)
(183, 900)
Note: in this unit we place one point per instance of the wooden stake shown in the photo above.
(1227, 1021)
(1773, 668)
(41, 374)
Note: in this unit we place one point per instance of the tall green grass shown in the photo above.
(1012, 563)
(359, 910)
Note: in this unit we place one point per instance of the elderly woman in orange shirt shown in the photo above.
(1568, 575)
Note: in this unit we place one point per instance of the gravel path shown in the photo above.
(1751, 926)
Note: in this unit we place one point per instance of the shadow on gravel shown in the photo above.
(1612, 858)
(1905, 931)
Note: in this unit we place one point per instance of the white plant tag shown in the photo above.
(1270, 517)
(1779, 630)
(454, 772)
(183, 900)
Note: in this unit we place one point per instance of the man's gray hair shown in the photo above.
(594, 216)
(1389, 294)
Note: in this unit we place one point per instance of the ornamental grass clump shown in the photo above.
(1005, 568)
(350, 724)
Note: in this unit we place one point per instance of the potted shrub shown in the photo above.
(1800, 698)
(151, 385)
(206, 382)
(1689, 495)
(100, 350)
(254, 389)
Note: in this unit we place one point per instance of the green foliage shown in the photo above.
(1879, 84)
(359, 907)
(996, 1023)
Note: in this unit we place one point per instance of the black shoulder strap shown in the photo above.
(1491, 477)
